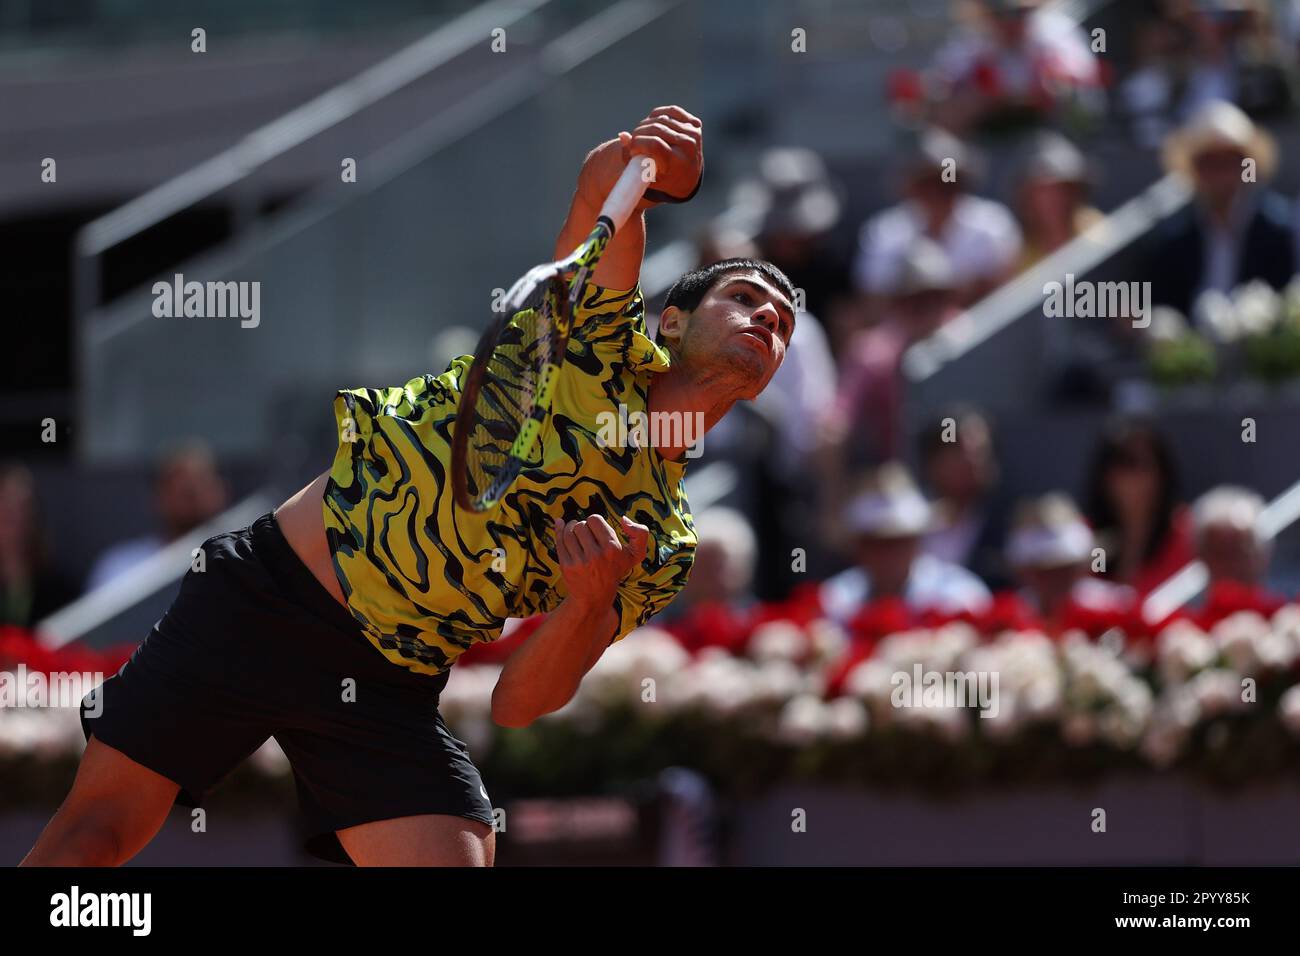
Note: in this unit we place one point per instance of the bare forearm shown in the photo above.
(620, 266)
(543, 674)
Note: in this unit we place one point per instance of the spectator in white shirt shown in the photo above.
(1051, 549)
(188, 490)
(1015, 61)
(888, 518)
(980, 236)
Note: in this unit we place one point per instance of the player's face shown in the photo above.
(741, 329)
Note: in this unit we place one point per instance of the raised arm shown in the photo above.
(674, 140)
(543, 673)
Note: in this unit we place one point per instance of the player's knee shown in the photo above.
(90, 840)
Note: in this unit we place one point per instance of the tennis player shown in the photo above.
(333, 622)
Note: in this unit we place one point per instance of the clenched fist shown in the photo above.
(670, 136)
(592, 558)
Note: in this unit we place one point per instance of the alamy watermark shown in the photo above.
(24, 688)
(946, 689)
(1098, 300)
(209, 300)
(638, 429)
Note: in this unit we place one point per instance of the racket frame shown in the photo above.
(618, 207)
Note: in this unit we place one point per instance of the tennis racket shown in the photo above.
(507, 392)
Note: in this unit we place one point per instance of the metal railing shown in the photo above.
(161, 569)
(1191, 579)
(280, 136)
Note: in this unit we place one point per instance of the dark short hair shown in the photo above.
(689, 291)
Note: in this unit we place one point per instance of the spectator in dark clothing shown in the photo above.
(1236, 229)
(1134, 507)
(960, 468)
(798, 205)
(30, 587)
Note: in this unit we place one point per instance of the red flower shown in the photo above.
(713, 624)
(802, 607)
(986, 79)
(904, 87)
(496, 652)
(1007, 612)
(21, 647)
(1229, 597)
(880, 618)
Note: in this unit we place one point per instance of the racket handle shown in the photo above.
(627, 192)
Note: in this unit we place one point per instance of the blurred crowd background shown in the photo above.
(918, 170)
(937, 440)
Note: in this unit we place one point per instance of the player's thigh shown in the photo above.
(432, 839)
(112, 792)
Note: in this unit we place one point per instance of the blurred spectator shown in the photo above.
(960, 469)
(1133, 504)
(1052, 195)
(888, 518)
(1228, 536)
(1236, 55)
(980, 236)
(725, 559)
(188, 491)
(1234, 231)
(798, 205)
(769, 441)
(1150, 96)
(1050, 548)
(1013, 64)
(803, 388)
(30, 587)
(864, 422)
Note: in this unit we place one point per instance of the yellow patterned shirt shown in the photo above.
(427, 579)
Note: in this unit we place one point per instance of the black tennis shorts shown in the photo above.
(254, 647)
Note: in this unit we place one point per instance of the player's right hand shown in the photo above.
(670, 136)
(592, 558)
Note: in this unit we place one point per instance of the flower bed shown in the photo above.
(778, 694)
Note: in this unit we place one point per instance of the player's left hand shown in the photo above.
(592, 558)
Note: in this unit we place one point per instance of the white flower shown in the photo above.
(1257, 307)
(1182, 649)
(802, 720)
(41, 732)
(846, 718)
(1214, 313)
(778, 640)
(647, 658)
(1286, 626)
(827, 640)
(778, 680)
(1216, 691)
(1288, 709)
(1167, 324)
(872, 681)
(1238, 637)
(1042, 699)
(715, 681)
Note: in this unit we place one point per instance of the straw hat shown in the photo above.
(1216, 125)
(924, 267)
(793, 193)
(1050, 157)
(1049, 532)
(889, 505)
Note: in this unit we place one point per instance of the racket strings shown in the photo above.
(507, 395)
